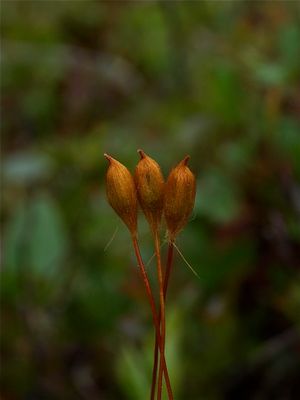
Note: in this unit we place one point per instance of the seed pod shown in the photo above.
(150, 189)
(121, 193)
(180, 192)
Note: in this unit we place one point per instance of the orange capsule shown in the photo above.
(180, 192)
(121, 193)
(150, 189)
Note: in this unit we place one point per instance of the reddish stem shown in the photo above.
(166, 282)
(162, 312)
(154, 313)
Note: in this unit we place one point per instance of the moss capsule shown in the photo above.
(121, 193)
(180, 192)
(150, 189)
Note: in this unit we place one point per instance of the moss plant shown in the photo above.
(173, 199)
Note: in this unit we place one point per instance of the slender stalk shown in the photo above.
(169, 267)
(154, 313)
(166, 282)
(162, 314)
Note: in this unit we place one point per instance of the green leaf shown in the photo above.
(36, 237)
(134, 367)
(141, 28)
(219, 199)
(271, 74)
(14, 237)
(132, 375)
(48, 242)
(26, 168)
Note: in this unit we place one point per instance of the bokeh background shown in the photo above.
(217, 80)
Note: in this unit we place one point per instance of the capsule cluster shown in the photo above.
(174, 198)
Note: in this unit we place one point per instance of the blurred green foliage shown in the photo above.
(217, 80)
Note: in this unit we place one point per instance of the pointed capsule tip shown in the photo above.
(186, 160)
(107, 156)
(141, 153)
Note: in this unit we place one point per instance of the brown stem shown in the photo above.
(166, 282)
(162, 313)
(154, 313)
(169, 267)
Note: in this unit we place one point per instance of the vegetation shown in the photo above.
(216, 80)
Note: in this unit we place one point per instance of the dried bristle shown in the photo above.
(180, 192)
(150, 189)
(121, 193)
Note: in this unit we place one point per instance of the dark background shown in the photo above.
(217, 80)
